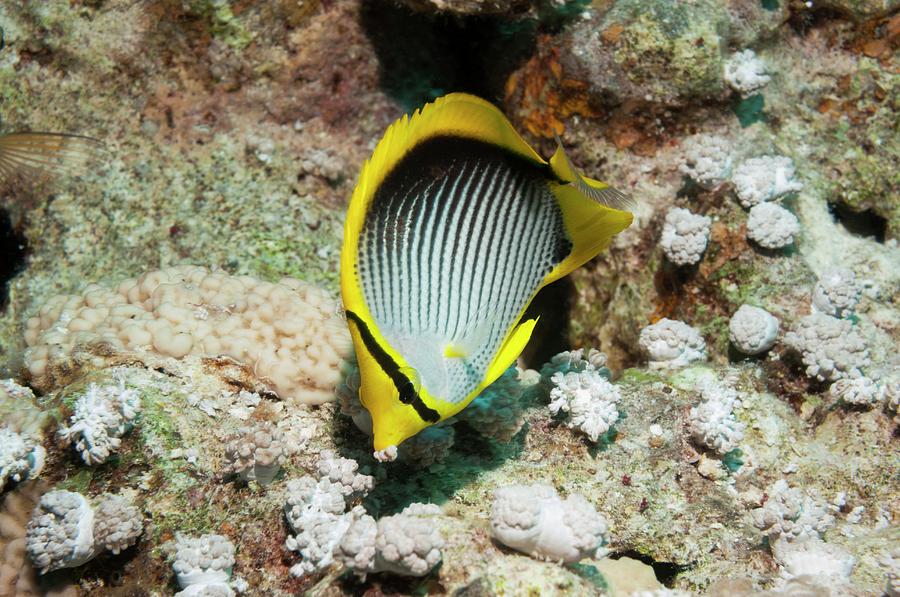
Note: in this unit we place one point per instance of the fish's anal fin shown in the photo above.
(510, 351)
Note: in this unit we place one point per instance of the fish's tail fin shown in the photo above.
(593, 212)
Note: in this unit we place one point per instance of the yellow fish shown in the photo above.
(454, 226)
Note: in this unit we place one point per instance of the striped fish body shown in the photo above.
(453, 228)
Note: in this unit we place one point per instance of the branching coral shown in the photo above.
(752, 330)
(684, 236)
(289, 334)
(535, 520)
(588, 398)
(830, 348)
(858, 391)
(771, 226)
(763, 179)
(102, 415)
(670, 343)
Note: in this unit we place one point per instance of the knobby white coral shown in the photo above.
(256, 452)
(684, 236)
(831, 348)
(713, 423)
(858, 391)
(670, 344)
(317, 538)
(203, 563)
(771, 226)
(707, 159)
(791, 514)
(752, 330)
(814, 558)
(21, 456)
(60, 533)
(745, 72)
(289, 334)
(763, 179)
(65, 531)
(535, 520)
(117, 523)
(588, 398)
(836, 293)
(575, 360)
(343, 472)
(409, 543)
(102, 415)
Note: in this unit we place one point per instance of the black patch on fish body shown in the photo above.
(404, 385)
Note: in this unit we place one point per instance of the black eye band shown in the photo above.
(405, 387)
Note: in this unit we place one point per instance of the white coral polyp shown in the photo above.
(684, 236)
(536, 521)
(764, 178)
(588, 398)
(790, 514)
(836, 293)
(21, 457)
(831, 348)
(102, 415)
(752, 330)
(772, 226)
(707, 159)
(814, 558)
(203, 560)
(60, 533)
(670, 344)
(713, 423)
(745, 72)
(858, 391)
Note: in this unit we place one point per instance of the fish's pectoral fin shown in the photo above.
(510, 351)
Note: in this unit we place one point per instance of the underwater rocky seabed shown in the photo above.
(234, 132)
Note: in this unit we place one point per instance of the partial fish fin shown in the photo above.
(509, 352)
(595, 189)
(593, 212)
(33, 154)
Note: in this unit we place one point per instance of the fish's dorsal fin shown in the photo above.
(593, 213)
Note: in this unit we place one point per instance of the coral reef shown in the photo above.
(684, 236)
(745, 404)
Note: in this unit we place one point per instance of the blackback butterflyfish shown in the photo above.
(454, 226)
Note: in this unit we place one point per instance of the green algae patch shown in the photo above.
(749, 110)
(223, 23)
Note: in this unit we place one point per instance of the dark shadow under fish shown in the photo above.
(34, 155)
